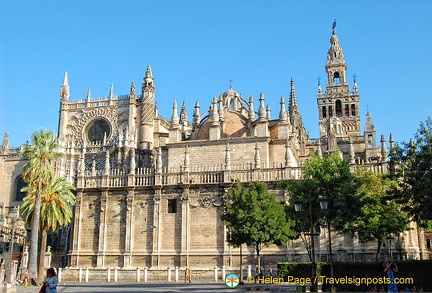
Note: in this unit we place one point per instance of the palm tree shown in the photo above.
(56, 211)
(38, 173)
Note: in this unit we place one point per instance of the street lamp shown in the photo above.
(298, 204)
(390, 237)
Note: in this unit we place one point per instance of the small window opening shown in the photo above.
(330, 111)
(428, 243)
(324, 112)
(338, 108)
(172, 206)
(336, 78)
(20, 183)
(370, 140)
(353, 110)
(346, 110)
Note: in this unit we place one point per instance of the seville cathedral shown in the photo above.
(150, 189)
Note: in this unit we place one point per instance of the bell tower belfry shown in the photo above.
(338, 103)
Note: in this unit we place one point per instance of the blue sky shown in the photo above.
(196, 47)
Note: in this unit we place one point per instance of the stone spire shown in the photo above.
(132, 162)
(288, 155)
(214, 113)
(147, 111)
(293, 106)
(369, 131)
(319, 150)
(257, 158)
(196, 114)
(111, 93)
(93, 169)
(355, 88)
(221, 110)
(174, 117)
(251, 114)
(186, 159)
(107, 163)
(64, 89)
(132, 93)
(227, 158)
(384, 154)
(88, 95)
(351, 151)
(262, 114)
(159, 161)
(268, 112)
(5, 145)
(183, 113)
(391, 141)
(283, 116)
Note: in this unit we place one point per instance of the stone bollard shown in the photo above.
(169, 274)
(223, 273)
(109, 275)
(59, 275)
(249, 271)
(138, 275)
(176, 274)
(115, 274)
(86, 275)
(80, 275)
(145, 274)
(215, 274)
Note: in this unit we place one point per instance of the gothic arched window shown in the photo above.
(338, 107)
(324, 112)
(353, 110)
(330, 111)
(346, 110)
(19, 184)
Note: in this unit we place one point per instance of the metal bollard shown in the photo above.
(223, 273)
(249, 271)
(109, 275)
(86, 275)
(176, 274)
(115, 274)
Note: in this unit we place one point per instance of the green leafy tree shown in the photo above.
(38, 173)
(56, 212)
(412, 163)
(382, 215)
(253, 216)
(326, 176)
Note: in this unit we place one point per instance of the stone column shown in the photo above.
(184, 254)
(77, 230)
(127, 256)
(155, 256)
(100, 262)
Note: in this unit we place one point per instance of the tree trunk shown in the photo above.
(378, 250)
(258, 258)
(41, 267)
(32, 265)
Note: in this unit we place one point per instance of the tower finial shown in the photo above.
(149, 71)
(334, 26)
(111, 94)
(88, 95)
(64, 89)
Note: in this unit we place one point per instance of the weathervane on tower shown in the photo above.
(333, 26)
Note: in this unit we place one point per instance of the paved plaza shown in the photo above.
(158, 287)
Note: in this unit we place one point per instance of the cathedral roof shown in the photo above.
(235, 126)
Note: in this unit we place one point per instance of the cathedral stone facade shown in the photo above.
(150, 189)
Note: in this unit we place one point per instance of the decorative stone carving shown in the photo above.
(84, 117)
(206, 202)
